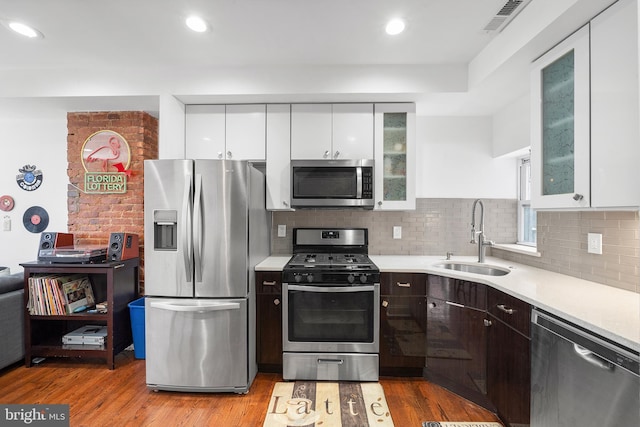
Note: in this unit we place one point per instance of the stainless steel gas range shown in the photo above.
(331, 310)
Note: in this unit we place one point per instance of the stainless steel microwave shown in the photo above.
(332, 183)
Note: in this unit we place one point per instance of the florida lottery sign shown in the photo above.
(106, 158)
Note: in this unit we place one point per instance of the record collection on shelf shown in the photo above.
(59, 294)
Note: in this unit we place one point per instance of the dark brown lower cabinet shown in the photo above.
(457, 348)
(508, 357)
(403, 324)
(269, 321)
(457, 337)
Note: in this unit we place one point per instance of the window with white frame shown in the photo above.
(526, 215)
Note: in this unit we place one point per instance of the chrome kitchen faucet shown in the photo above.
(481, 239)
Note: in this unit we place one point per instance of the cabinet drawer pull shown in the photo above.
(271, 283)
(385, 304)
(506, 309)
(403, 285)
(455, 304)
(276, 301)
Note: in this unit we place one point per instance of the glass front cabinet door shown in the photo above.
(394, 147)
(560, 140)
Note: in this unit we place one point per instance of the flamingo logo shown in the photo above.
(106, 151)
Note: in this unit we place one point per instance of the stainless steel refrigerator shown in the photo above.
(206, 227)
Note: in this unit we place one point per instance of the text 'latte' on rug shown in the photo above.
(327, 404)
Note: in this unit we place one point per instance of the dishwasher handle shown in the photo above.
(593, 358)
(589, 346)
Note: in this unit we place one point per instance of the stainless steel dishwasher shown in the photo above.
(579, 379)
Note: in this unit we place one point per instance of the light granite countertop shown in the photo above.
(607, 311)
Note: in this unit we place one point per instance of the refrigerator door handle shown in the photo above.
(186, 227)
(214, 306)
(197, 230)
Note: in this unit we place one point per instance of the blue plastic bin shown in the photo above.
(136, 310)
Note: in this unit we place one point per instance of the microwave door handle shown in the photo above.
(197, 230)
(186, 226)
(359, 182)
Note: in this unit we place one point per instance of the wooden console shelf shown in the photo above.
(114, 282)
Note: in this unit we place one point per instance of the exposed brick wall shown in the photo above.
(93, 217)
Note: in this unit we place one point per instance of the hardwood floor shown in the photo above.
(100, 397)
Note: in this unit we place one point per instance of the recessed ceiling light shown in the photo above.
(197, 24)
(25, 30)
(395, 26)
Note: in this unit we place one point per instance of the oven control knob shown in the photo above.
(363, 278)
(309, 278)
(351, 278)
(297, 278)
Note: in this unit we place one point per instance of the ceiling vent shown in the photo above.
(506, 14)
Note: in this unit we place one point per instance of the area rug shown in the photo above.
(460, 424)
(327, 404)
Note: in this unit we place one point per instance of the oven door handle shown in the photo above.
(327, 289)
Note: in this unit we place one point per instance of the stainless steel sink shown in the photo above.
(489, 270)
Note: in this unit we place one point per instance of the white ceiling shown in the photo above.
(246, 32)
(139, 49)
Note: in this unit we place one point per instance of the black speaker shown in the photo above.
(52, 240)
(122, 246)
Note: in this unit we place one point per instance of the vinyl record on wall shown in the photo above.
(35, 219)
(6, 203)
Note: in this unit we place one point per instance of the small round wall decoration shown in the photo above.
(29, 178)
(6, 203)
(35, 219)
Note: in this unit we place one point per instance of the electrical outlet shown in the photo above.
(397, 232)
(282, 230)
(594, 243)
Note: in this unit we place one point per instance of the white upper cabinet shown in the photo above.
(204, 131)
(331, 131)
(246, 127)
(395, 175)
(278, 155)
(233, 132)
(560, 141)
(585, 114)
(615, 132)
(311, 131)
(352, 135)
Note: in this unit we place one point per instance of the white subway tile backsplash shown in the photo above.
(438, 226)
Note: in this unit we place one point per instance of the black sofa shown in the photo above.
(11, 318)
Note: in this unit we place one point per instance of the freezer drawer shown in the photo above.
(197, 344)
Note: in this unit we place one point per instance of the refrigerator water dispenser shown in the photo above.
(165, 230)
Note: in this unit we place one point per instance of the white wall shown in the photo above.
(36, 138)
(454, 160)
(512, 128)
(171, 128)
